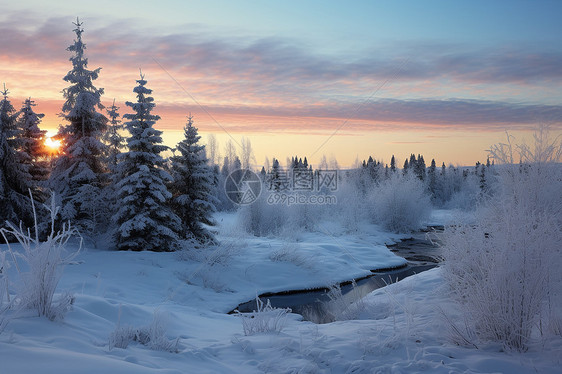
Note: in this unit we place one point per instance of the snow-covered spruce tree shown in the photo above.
(192, 186)
(14, 176)
(32, 148)
(114, 140)
(79, 173)
(115, 144)
(145, 220)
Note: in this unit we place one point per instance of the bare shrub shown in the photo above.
(265, 319)
(342, 307)
(152, 336)
(401, 203)
(292, 253)
(505, 269)
(44, 262)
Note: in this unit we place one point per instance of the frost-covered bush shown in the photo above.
(4, 291)
(39, 266)
(152, 336)
(291, 252)
(213, 262)
(342, 307)
(400, 204)
(469, 195)
(265, 319)
(261, 218)
(505, 269)
(350, 209)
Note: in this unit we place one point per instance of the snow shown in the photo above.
(401, 328)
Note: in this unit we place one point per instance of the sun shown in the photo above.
(52, 145)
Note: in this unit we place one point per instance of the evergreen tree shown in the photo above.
(483, 181)
(405, 168)
(115, 144)
(224, 202)
(33, 154)
(192, 187)
(431, 173)
(419, 167)
(236, 164)
(14, 176)
(144, 219)
(79, 174)
(114, 140)
(393, 164)
(275, 176)
(412, 163)
(373, 169)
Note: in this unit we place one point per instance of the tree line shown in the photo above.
(104, 181)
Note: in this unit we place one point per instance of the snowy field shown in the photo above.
(401, 328)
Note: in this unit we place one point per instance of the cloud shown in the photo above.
(379, 115)
(277, 84)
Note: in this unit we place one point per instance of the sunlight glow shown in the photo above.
(52, 144)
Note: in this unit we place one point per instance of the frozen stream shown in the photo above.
(421, 254)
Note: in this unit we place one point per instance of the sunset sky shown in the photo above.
(345, 79)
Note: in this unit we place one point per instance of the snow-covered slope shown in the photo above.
(401, 328)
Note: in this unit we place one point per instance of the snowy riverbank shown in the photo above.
(400, 328)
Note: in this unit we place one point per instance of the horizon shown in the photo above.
(348, 81)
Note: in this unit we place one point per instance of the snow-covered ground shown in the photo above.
(401, 328)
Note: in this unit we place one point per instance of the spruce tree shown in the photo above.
(274, 179)
(192, 187)
(145, 221)
(113, 139)
(393, 164)
(431, 173)
(419, 167)
(79, 173)
(115, 144)
(32, 148)
(14, 176)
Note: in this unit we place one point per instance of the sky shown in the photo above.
(347, 80)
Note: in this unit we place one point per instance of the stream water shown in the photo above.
(421, 253)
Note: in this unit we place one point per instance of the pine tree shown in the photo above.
(419, 167)
(115, 144)
(33, 154)
(431, 173)
(224, 204)
(79, 174)
(114, 140)
(412, 162)
(236, 164)
(274, 179)
(192, 187)
(405, 168)
(14, 176)
(145, 221)
(393, 164)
